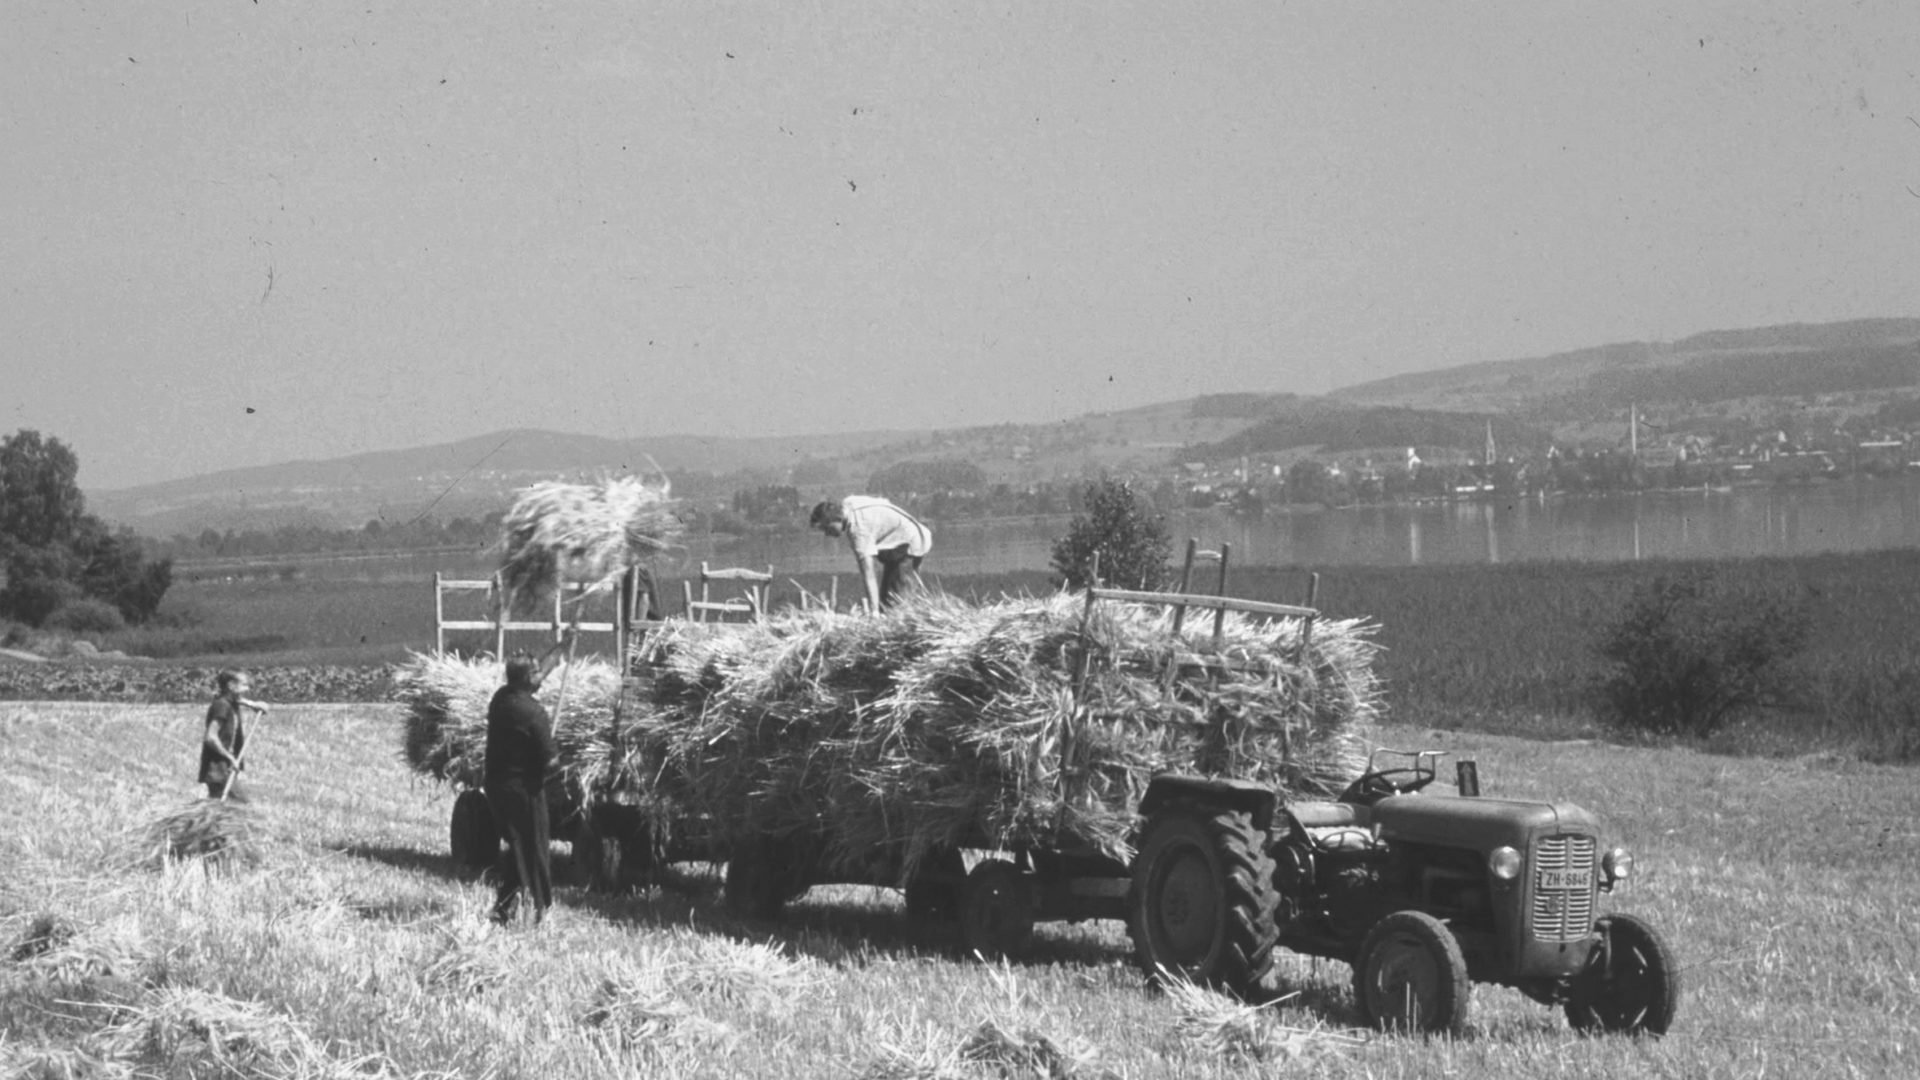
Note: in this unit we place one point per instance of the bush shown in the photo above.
(30, 596)
(1690, 653)
(86, 616)
(178, 614)
(1131, 542)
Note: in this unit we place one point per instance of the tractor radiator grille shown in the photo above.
(1563, 886)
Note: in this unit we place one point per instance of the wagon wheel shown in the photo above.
(1410, 976)
(611, 848)
(1630, 983)
(473, 836)
(1202, 902)
(762, 878)
(596, 859)
(996, 910)
(933, 893)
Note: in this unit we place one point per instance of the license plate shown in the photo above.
(1566, 880)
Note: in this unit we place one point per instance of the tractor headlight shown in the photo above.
(1504, 863)
(1617, 863)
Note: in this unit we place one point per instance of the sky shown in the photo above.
(238, 233)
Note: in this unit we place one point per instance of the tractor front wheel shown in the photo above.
(1410, 976)
(1202, 902)
(472, 835)
(1629, 985)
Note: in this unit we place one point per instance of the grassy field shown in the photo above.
(353, 948)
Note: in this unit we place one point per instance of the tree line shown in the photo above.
(65, 567)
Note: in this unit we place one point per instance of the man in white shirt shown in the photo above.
(888, 543)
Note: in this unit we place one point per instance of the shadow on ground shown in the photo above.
(834, 924)
(406, 858)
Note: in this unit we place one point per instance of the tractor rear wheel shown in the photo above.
(1202, 902)
(472, 835)
(1410, 976)
(1629, 985)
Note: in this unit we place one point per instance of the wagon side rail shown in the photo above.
(1180, 602)
(1202, 600)
(1217, 602)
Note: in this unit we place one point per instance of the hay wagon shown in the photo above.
(998, 891)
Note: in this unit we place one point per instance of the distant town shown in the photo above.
(1649, 461)
(950, 489)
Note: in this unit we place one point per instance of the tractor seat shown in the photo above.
(1325, 815)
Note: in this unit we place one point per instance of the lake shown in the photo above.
(1841, 515)
(1855, 514)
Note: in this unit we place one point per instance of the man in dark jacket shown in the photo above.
(520, 754)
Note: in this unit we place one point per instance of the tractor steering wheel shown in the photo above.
(1374, 786)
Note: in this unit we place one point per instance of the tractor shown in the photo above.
(1424, 893)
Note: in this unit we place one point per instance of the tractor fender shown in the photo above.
(1256, 800)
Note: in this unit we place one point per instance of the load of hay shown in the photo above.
(446, 699)
(944, 724)
(559, 533)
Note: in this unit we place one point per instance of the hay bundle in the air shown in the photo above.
(940, 723)
(446, 698)
(559, 533)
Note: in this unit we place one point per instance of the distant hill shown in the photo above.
(1330, 426)
(1867, 366)
(1773, 361)
(467, 478)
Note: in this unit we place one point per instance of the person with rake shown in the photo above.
(224, 744)
(520, 755)
(888, 543)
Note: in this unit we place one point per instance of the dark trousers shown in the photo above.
(526, 864)
(898, 570)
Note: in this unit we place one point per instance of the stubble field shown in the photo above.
(354, 949)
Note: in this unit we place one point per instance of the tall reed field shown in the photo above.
(347, 945)
(1507, 647)
(1513, 647)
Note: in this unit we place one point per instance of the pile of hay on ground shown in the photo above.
(943, 724)
(221, 832)
(186, 1031)
(559, 533)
